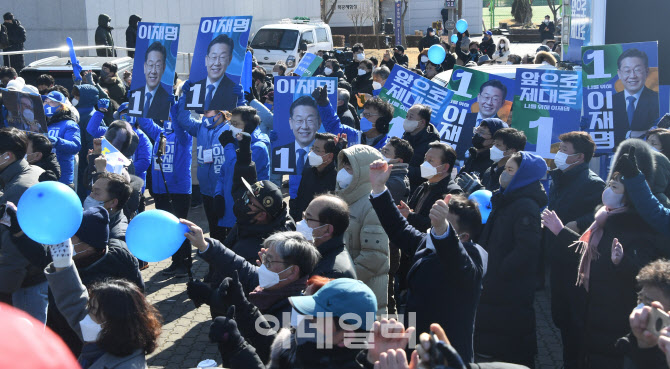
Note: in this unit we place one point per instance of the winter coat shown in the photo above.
(346, 116)
(350, 71)
(260, 154)
(491, 178)
(427, 41)
(365, 238)
(15, 180)
(17, 36)
(455, 267)
(331, 123)
(398, 183)
(72, 299)
(505, 323)
(225, 261)
(312, 184)
(651, 210)
(477, 162)
(654, 165)
(247, 240)
(116, 90)
(118, 223)
(103, 36)
(487, 47)
(88, 99)
(361, 85)
(501, 55)
(335, 260)
(50, 166)
(419, 143)
(436, 191)
(66, 139)
(131, 33)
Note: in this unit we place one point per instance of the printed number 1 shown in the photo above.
(598, 57)
(283, 160)
(545, 126)
(463, 86)
(195, 101)
(137, 95)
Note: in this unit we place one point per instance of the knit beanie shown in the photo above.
(94, 229)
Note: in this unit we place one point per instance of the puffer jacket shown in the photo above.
(66, 138)
(51, 168)
(103, 36)
(365, 238)
(131, 33)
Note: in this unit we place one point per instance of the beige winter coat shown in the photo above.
(365, 238)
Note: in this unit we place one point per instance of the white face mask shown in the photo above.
(655, 149)
(29, 115)
(91, 202)
(362, 72)
(306, 230)
(327, 71)
(612, 200)
(4, 159)
(376, 85)
(235, 130)
(360, 56)
(388, 160)
(496, 154)
(344, 178)
(89, 329)
(75, 101)
(314, 159)
(424, 59)
(546, 21)
(296, 318)
(410, 125)
(427, 170)
(268, 278)
(275, 74)
(560, 160)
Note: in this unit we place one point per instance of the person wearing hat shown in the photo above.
(64, 134)
(17, 36)
(547, 29)
(429, 39)
(103, 36)
(487, 46)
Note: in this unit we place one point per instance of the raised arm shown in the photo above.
(94, 127)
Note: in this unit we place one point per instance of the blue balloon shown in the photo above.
(155, 235)
(49, 212)
(454, 38)
(436, 54)
(462, 25)
(483, 200)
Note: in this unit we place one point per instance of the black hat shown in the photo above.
(94, 229)
(268, 194)
(400, 48)
(8, 16)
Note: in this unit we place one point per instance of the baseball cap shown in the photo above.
(489, 33)
(399, 48)
(56, 96)
(268, 194)
(341, 298)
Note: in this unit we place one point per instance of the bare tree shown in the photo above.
(405, 4)
(522, 11)
(364, 12)
(328, 9)
(554, 7)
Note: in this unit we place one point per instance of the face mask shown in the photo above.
(89, 329)
(49, 110)
(29, 115)
(362, 72)
(424, 59)
(275, 74)
(4, 159)
(327, 71)
(502, 46)
(296, 318)
(91, 202)
(209, 121)
(560, 160)
(235, 130)
(344, 178)
(75, 101)
(546, 21)
(505, 179)
(241, 210)
(306, 230)
(314, 159)
(388, 160)
(366, 125)
(612, 200)
(496, 154)
(268, 278)
(410, 125)
(478, 141)
(376, 85)
(360, 56)
(474, 51)
(427, 170)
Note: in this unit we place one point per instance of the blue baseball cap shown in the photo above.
(342, 297)
(489, 33)
(57, 97)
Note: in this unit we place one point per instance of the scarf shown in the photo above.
(264, 299)
(587, 245)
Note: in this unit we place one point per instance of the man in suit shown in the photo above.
(217, 90)
(490, 99)
(154, 98)
(635, 109)
(304, 122)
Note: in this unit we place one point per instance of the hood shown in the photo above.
(258, 136)
(88, 96)
(532, 169)
(133, 20)
(62, 115)
(506, 43)
(653, 165)
(360, 157)
(103, 20)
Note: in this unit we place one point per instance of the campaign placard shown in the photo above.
(477, 96)
(296, 118)
(218, 61)
(115, 159)
(404, 88)
(308, 65)
(581, 17)
(24, 111)
(620, 83)
(547, 103)
(153, 70)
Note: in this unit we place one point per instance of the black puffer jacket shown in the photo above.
(51, 168)
(131, 33)
(361, 85)
(312, 184)
(419, 143)
(436, 191)
(103, 36)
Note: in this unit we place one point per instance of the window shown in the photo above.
(308, 37)
(321, 35)
(275, 39)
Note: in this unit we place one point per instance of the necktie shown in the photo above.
(300, 165)
(630, 109)
(147, 104)
(208, 98)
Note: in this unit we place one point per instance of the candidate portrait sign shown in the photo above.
(296, 119)
(153, 70)
(218, 61)
(547, 103)
(308, 65)
(620, 84)
(477, 96)
(24, 111)
(404, 88)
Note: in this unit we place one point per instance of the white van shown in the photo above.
(282, 41)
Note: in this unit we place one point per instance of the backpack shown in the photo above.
(4, 37)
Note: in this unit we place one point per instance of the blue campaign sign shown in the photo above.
(404, 88)
(547, 103)
(580, 29)
(218, 61)
(153, 70)
(476, 95)
(296, 118)
(308, 65)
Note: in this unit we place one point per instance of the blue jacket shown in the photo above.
(207, 139)
(260, 154)
(88, 98)
(648, 206)
(177, 158)
(331, 123)
(142, 156)
(66, 138)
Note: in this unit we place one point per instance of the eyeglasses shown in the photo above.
(218, 58)
(310, 122)
(304, 216)
(481, 132)
(493, 99)
(637, 70)
(268, 263)
(155, 67)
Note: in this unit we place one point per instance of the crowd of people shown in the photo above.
(379, 242)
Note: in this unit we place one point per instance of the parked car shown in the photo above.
(61, 68)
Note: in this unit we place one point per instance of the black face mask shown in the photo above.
(474, 51)
(478, 141)
(241, 210)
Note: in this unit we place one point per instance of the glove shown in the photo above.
(627, 165)
(273, 136)
(469, 183)
(186, 86)
(224, 332)
(226, 138)
(103, 104)
(199, 292)
(244, 152)
(14, 228)
(230, 292)
(320, 94)
(472, 152)
(248, 96)
(220, 206)
(61, 254)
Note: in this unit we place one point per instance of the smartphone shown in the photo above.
(658, 320)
